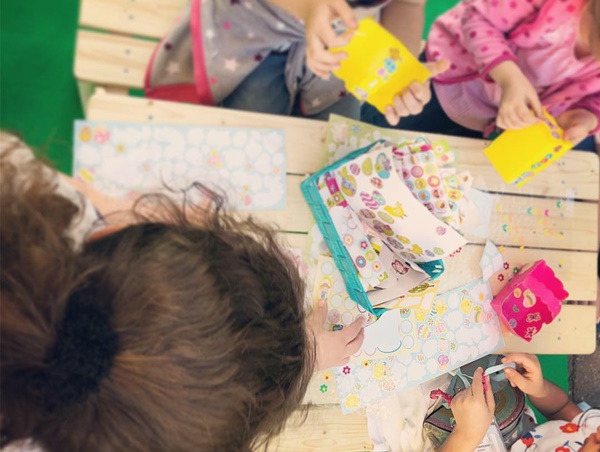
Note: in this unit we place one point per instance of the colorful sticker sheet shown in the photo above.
(127, 159)
(386, 205)
(460, 328)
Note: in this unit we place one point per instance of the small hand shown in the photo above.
(577, 124)
(320, 35)
(520, 105)
(334, 348)
(413, 99)
(473, 411)
(530, 380)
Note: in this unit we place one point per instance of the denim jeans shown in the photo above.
(265, 91)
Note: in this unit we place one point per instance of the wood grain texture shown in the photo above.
(109, 59)
(151, 18)
(577, 178)
(325, 429)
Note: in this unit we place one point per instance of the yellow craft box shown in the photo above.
(518, 155)
(378, 66)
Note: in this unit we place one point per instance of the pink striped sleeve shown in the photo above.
(485, 24)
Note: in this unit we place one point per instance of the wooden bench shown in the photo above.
(114, 44)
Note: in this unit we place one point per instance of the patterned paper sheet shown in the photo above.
(375, 191)
(460, 328)
(126, 159)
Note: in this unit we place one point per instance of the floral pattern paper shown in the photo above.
(460, 328)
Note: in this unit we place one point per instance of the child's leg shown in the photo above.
(264, 90)
(348, 106)
(432, 119)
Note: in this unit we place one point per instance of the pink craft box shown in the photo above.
(533, 297)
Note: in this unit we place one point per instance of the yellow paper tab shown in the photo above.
(518, 155)
(378, 65)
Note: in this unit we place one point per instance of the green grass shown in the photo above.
(38, 94)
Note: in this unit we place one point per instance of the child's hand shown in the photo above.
(577, 124)
(412, 100)
(520, 105)
(334, 348)
(531, 381)
(473, 410)
(320, 35)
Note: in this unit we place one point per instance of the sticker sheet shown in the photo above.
(127, 159)
(460, 328)
(387, 206)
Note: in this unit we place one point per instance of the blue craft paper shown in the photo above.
(126, 159)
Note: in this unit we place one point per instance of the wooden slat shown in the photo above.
(326, 429)
(576, 232)
(306, 138)
(111, 60)
(577, 270)
(152, 18)
(573, 226)
(571, 333)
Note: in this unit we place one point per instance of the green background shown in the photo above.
(39, 99)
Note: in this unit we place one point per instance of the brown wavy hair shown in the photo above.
(213, 353)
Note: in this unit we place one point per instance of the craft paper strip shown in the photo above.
(478, 213)
(126, 159)
(491, 260)
(378, 65)
(388, 207)
(460, 328)
(518, 155)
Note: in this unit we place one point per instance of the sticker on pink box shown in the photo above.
(530, 299)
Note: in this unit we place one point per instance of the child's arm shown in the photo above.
(317, 16)
(404, 19)
(548, 398)
(485, 24)
(473, 411)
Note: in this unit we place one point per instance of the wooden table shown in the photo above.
(574, 182)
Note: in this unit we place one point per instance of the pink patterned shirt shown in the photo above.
(540, 36)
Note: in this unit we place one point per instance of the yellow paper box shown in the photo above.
(378, 65)
(519, 154)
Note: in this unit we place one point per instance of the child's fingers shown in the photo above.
(438, 67)
(411, 103)
(354, 346)
(536, 106)
(525, 115)
(344, 12)
(575, 134)
(391, 116)
(399, 107)
(489, 395)
(516, 379)
(528, 362)
(478, 382)
(421, 91)
(353, 330)
(319, 314)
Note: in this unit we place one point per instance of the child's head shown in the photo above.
(590, 27)
(161, 336)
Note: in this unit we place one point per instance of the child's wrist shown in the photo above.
(466, 437)
(542, 392)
